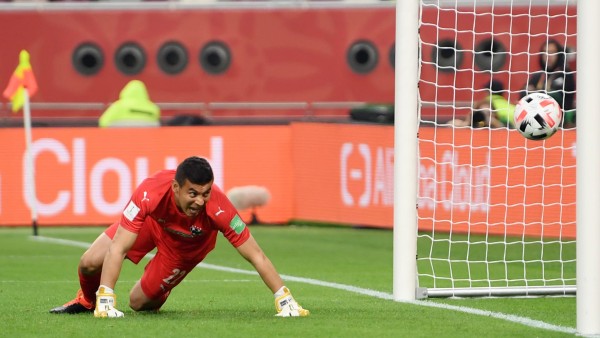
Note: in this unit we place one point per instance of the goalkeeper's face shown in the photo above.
(191, 198)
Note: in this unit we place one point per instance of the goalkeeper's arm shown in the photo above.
(106, 304)
(285, 304)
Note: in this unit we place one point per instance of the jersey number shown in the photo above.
(175, 277)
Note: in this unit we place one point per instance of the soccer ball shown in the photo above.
(537, 116)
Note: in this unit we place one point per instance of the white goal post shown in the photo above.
(485, 211)
(588, 169)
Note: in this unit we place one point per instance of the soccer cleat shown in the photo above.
(77, 305)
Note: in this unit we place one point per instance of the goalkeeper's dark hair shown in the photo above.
(195, 169)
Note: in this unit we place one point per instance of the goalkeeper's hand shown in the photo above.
(286, 305)
(106, 300)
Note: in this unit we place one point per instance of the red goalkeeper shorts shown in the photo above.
(162, 273)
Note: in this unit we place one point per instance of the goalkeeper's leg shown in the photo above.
(90, 265)
(161, 275)
(139, 301)
(89, 269)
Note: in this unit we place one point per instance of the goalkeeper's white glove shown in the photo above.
(106, 301)
(286, 305)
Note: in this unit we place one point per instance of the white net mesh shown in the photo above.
(495, 209)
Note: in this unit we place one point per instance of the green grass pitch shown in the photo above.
(36, 276)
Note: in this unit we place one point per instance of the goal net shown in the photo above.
(496, 211)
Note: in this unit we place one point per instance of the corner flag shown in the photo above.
(21, 86)
(21, 78)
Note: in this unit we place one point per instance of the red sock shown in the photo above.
(89, 286)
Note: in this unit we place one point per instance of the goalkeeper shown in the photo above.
(179, 212)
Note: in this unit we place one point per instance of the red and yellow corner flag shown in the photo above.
(21, 78)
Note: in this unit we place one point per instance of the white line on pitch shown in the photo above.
(363, 291)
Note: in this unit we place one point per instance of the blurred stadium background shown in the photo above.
(257, 66)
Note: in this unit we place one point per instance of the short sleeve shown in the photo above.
(225, 216)
(237, 232)
(135, 212)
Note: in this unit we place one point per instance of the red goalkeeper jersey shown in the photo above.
(152, 208)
